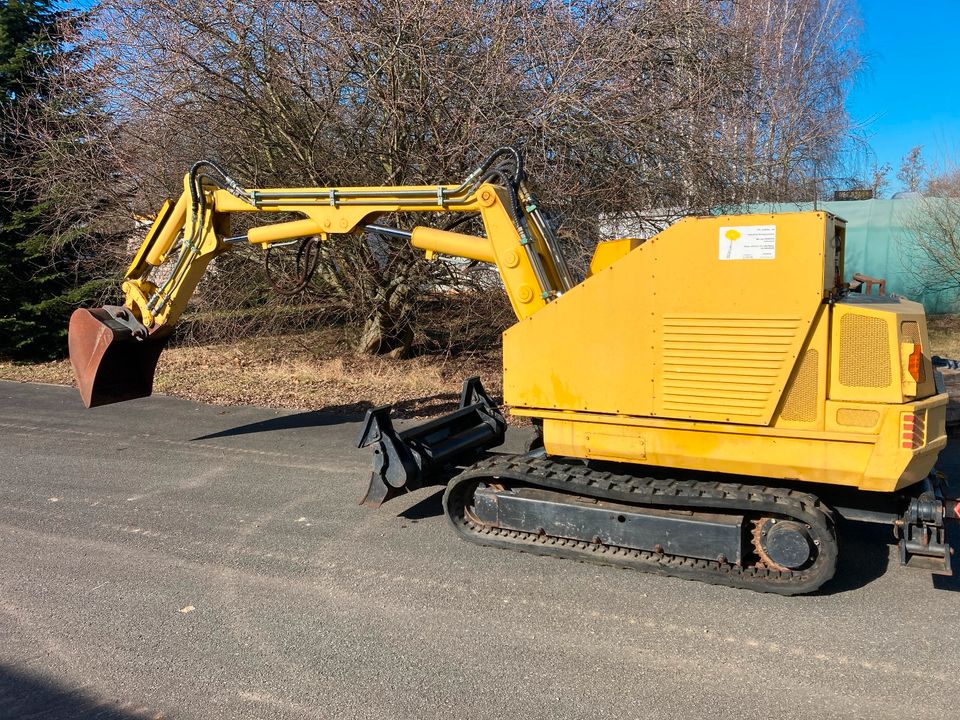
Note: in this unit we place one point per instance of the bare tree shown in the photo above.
(880, 179)
(620, 107)
(944, 184)
(933, 235)
(787, 121)
(912, 169)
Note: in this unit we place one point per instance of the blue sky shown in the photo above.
(909, 91)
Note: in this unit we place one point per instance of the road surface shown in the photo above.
(162, 558)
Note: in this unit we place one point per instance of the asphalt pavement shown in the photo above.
(162, 558)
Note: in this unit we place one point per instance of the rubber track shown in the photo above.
(577, 479)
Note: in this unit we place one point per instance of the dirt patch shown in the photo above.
(944, 333)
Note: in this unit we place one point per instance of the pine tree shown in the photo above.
(37, 288)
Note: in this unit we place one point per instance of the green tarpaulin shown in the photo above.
(879, 245)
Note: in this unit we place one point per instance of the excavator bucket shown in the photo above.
(113, 355)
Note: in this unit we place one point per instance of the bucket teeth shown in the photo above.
(113, 355)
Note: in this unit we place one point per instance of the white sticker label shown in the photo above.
(748, 242)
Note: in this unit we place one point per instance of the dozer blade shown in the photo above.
(113, 355)
(406, 460)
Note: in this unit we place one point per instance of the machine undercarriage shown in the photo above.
(754, 537)
(733, 531)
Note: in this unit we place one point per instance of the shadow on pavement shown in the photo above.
(864, 556)
(338, 414)
(25, 696)
(308, 419)
(430, 506)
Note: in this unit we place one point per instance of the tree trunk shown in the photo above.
(384, 334)
(388, 329)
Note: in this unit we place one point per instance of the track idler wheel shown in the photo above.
(783, 544)
(113, 355)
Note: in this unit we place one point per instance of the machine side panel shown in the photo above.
(681, 327)
(590, 349)
(802, 403)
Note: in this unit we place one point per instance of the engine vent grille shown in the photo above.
(720, 367)
(801, 402)
(855, 417)
(864, 351)
(910, 330)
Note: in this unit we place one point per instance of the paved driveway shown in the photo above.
(164, 558)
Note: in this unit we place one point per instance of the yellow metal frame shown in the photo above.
(682, 359)
(324, 218)
(609, 251)
(866, 461)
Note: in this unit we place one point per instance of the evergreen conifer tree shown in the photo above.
(38, 282)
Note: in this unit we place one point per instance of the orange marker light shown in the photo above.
(913, 364)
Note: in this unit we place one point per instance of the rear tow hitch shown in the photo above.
(922, 530)
(405, 460)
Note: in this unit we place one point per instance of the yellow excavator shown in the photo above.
(708, 402)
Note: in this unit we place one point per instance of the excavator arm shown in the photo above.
(114, 350)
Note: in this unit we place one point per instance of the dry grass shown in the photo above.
(306, 371)
(944, 335)
(56, 373)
